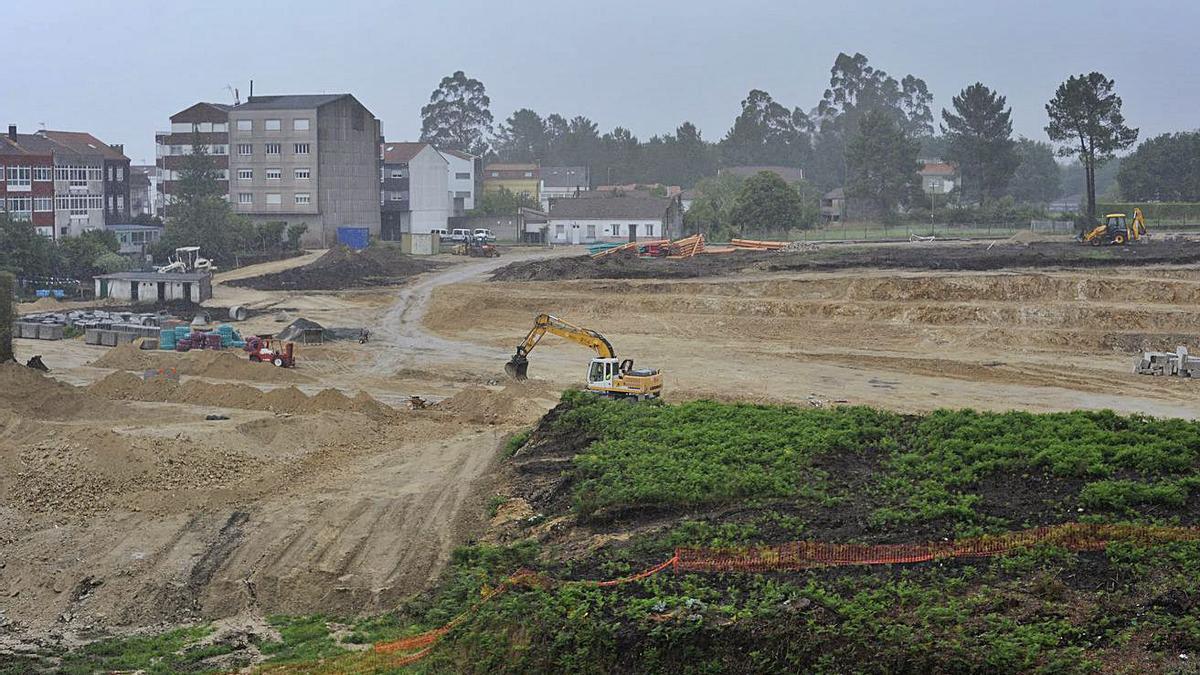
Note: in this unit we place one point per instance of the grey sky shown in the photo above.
(119, 69)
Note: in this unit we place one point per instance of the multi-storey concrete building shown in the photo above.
(206, 124)
(27, 183)
(91, 179)
(414, 198)
(465, 177)
(311, 159)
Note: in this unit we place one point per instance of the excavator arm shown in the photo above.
(518, 366)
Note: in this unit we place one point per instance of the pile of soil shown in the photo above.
(295, 330)
(1025, 251)
(343, 268)
(223, 365)
(129, 387)
(479, 405)
(32, 393)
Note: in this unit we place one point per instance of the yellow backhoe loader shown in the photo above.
(1116, 230)
(607, 375)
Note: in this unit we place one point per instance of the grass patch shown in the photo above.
(170, 652)
(302, 638)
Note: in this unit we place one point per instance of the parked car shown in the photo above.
(441, 232)
(484, 234)
(460, 235)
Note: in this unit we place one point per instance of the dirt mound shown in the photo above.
(32, 393)
(625, 266)
(1031, 237)
(129, 387)
(480, 405)
(225, 365)
(343, 268)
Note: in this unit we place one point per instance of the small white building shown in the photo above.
(462, 172)
(612, 218)
(135, 287)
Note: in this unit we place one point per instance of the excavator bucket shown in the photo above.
(517, 367)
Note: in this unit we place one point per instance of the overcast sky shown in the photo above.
(119, 69)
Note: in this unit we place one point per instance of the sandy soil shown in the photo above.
(122, 507)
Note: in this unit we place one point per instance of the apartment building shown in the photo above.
(311, 159)
(142, 193)
(465, 178)
(27, 183)
(414, 197)
(91, 179)
(203, 123)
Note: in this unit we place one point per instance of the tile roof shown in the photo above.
(288, 101)
(401, 151)
(610, 207)
(83, 143)
(936, 169)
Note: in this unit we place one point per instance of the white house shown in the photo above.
(414, 191)
(461, 174)
(612, 218)
(563, 182)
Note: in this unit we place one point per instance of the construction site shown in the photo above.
(145, 491)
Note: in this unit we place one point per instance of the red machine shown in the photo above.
(269, 350)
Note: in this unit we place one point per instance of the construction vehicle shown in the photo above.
(476, 247)
(607, 375)
(186, 259)
(1116, 230)
(269, 350)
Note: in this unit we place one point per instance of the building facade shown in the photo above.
(937, 177)
(306, 159)
(613, 219)
(563, 182)
(516, 178)
(464, 174)
(27, 184)
(205, 124)
(414, 198)
(142, 193)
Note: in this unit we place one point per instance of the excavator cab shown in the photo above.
(602, 371)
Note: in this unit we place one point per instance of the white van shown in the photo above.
(460, 235)
(484, 234)
(441, 232)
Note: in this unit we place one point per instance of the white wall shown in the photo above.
(456, 166)
(603, 230)
(427, 191)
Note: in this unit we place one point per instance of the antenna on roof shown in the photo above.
(236, 98)
(251, 90)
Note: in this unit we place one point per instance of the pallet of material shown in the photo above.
(628, 246)
(687, 247)
(757, 245)
(710, 250)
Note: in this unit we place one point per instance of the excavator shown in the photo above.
(1116, 230)
(606, 376)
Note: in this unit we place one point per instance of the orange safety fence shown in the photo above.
(797, 555)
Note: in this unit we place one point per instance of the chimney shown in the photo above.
(12, 132)
(119, 147)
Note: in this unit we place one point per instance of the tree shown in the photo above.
(503, 202)
(766, 203)
(80, 256)
(1163, 168)
(882, 162)
(521, 137)
(978, 139)
(458, 115)
(767, 133)
(1085, 117)
(23, 251)
(1037, 178)
(200, 215)
(711, 212)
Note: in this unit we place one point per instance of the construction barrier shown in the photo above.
(792, 556)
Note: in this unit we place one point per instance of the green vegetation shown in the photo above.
(171, 652)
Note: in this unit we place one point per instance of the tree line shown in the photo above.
(865, 133)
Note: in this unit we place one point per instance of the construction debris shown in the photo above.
(1168, 364)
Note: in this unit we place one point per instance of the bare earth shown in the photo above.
(121, 508)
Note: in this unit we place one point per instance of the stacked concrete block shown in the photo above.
(50, 331)
(91, 336)
(108, 338)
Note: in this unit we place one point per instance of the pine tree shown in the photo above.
(979, 140)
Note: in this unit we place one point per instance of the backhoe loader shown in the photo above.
(1116, 230)
(607, 375)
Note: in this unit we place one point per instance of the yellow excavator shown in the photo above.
(1116, 230)
(607, 375)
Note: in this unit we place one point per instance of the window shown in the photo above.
(274, 199)
(591, 231)
(649, 229)
(300, 148)
(462, 176)
(399, 173)
(529, 174)
(245, 149)
(303, 199)
(274, 174)
(495, 174)
(120, 173)
(221, 127)
(18, 177)
(220, 149)
(120, 202)
(560, 231)
(245, 125)
(300, 125)
(20, 207)
(245, 174)
(222, 174)
(616, 229)
(43, 204)
(245, 198)
(272, 125)
(301, 174)
(272, 148)
(43, 173)
(95, 173)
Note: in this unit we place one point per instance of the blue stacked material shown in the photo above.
(182, 332)
(597, 248)
(166, 339)
(227, 335)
